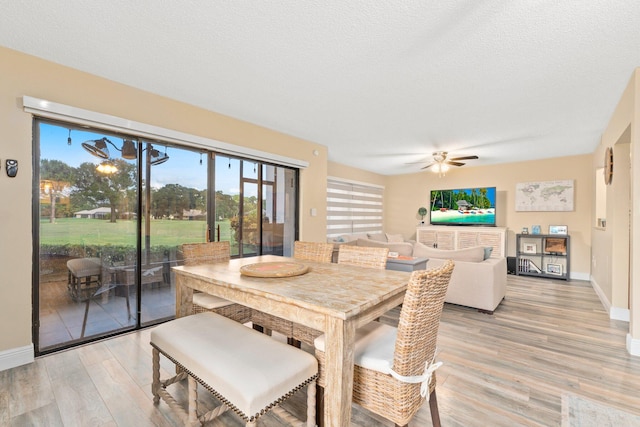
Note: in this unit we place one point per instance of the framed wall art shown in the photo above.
(558, 229)
(554, 269)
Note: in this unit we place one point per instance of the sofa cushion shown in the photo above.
(378, 237)
(348, 238)
(394, 238)
(473, 254)
(402, 248)
(487, 252)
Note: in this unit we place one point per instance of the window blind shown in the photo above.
(353, 208)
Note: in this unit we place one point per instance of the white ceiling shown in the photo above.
(380, 83)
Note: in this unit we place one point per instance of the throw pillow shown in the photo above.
(394, 238)
(378, 237)
(487, 252)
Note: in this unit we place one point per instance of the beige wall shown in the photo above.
(617, 245)
(26, 75)
(404, 194)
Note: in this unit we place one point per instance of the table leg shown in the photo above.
(184, 298)
(340, 336)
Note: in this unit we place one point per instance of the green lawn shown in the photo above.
(83, 231)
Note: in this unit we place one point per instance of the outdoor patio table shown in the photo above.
(332, 298)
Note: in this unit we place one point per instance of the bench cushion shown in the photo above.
(251, 370)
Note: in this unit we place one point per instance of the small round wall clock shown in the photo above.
(608, 165)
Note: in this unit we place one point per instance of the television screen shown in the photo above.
(464, 206)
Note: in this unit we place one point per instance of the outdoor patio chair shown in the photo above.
(84, 277)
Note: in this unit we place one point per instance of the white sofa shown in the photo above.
(395, 242)
(477, 281)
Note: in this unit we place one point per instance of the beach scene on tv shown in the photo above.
(467, 206)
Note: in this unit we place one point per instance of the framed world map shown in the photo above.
(544, 196)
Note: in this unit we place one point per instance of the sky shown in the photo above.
(183, 166)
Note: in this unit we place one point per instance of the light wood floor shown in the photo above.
(547, 338)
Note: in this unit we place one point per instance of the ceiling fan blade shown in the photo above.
(465, 158)
(454, 163)
(428, 166)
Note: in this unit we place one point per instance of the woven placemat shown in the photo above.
(274, 269)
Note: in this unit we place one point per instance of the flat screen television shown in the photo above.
(464, 206)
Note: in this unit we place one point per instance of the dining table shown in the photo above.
(333, 298)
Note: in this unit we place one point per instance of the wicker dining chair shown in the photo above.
(304, 251)
(312, 251)
(395, 378)
(210, 252)
(359, 256)
(363, 256)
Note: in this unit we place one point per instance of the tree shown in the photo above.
(174, 199)
(94, 189)
(55, 177)
(226, 205)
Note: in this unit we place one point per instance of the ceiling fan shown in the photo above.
(441, 163)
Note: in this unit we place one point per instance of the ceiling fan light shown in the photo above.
(97, 147)
(440, 168)
(129, 150)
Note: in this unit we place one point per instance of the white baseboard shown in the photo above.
(16, 357)
(633, 346)
(603, 298)
(576, 275)
(617, 313)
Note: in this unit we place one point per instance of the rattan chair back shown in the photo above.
(383, 394)
(420, 319)
(363, 256)
(313, 251)
(204, 253)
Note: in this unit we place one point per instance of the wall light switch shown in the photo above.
(313, 212)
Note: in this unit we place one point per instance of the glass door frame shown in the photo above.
(142, 237)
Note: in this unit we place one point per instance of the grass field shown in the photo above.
(84, 231)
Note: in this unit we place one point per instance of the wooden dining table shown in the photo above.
(332, 298)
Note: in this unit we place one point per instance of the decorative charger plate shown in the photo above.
(274, 269)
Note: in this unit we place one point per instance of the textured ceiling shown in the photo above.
(380, 83)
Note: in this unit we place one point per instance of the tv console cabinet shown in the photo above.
(460, 237)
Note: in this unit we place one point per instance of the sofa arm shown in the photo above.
(481, 285)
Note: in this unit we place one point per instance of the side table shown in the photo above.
(406, 263)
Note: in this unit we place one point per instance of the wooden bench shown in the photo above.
(250, 373)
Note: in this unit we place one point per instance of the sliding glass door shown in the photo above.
(174, 211)
(256, 206)
(86, 226)
(112, 213)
